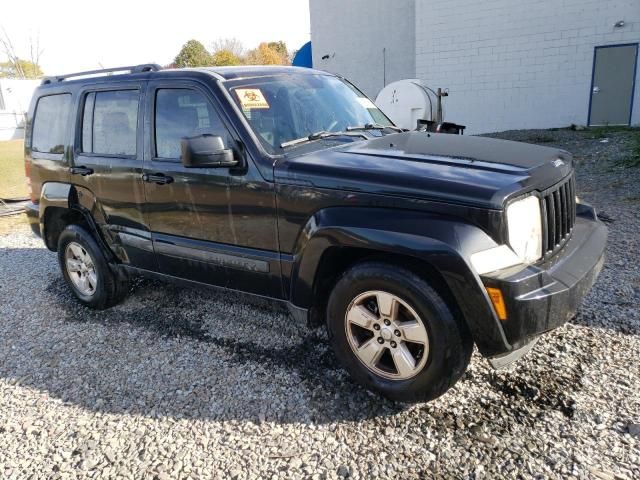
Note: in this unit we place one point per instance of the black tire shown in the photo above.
(450, 344)
(112, 283)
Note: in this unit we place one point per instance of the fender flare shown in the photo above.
(82, 200)
(440, 241)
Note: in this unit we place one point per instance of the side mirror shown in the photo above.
(206, 151)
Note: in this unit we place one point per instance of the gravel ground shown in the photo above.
(178, 383)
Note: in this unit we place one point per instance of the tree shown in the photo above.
(281, 48)
(19, 68)
(229, 51)
(232, 45)
(35, 52)
(193, 54)
(225, 57)
(16, 67)
(267, 55)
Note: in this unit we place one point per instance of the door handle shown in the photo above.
(84, 171)
(596, 90)
(158, 178)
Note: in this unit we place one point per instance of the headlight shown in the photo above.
(525, 228)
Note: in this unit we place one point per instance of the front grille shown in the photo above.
(558, 215)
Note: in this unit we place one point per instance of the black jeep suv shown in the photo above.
(289, 183)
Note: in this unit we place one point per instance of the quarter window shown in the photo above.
(182, 113)
(109, 122)
(50, 122)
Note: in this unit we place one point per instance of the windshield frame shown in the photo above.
(227, 86)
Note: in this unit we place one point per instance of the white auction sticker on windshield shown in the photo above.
(366, 103)
(251, 98)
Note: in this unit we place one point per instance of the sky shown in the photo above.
(85, 35)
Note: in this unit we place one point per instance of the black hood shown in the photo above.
(448, 168)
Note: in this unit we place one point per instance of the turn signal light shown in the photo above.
(498, 302)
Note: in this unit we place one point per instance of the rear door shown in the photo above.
(211, 225)
(108, 162)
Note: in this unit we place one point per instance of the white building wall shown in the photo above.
(354, 33)
(15, 96)
(513, 64)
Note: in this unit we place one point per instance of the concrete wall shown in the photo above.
(512, 64)
(353, 33)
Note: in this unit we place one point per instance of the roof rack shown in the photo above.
(146, 67)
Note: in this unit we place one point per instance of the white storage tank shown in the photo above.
(405, 102)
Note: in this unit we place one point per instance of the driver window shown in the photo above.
(180, 113)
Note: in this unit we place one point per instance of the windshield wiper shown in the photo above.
(319, 136)
(374, 126)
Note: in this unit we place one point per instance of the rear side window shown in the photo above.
(109, 122)
(182, 113)
(50, 123)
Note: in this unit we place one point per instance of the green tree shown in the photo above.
(193, 54)
(225, 57)
(20, 69)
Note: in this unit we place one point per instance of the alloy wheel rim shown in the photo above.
(81, 269)
(387, 335)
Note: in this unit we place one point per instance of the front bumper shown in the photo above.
(541, 297)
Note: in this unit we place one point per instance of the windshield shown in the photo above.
(288, 107)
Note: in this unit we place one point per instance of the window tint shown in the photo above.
(87, 123)
(182, 113)
(50, 123)
(109, 122)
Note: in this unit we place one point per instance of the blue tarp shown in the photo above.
(303, 58)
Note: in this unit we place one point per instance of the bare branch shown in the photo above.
(232, 45)
(10, 52)
(25, 67)
(35, 50)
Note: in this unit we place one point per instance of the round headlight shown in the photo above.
(524, 225)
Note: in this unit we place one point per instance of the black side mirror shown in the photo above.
(206, 151)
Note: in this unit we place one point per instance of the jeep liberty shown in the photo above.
(289, 183)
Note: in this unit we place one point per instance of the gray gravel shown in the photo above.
(178, 383)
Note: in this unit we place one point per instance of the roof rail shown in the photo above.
(146, 67)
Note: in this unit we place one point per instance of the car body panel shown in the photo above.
(439, 240)
(430, 167)
(215, 225)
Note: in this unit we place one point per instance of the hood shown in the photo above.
(458, 169)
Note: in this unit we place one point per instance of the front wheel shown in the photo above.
(395, 334)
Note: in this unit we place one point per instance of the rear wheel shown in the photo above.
(395, 334)
(95, 282)
(80, 268)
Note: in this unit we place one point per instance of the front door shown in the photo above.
(210, 225)
(612, 89)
